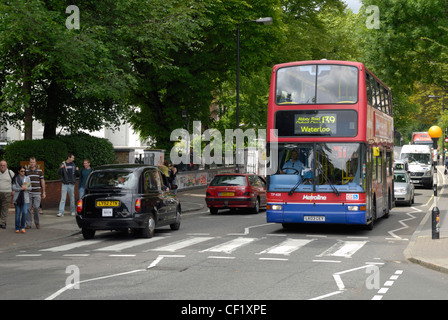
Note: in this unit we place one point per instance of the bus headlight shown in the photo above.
(356, 208)
(274, 207)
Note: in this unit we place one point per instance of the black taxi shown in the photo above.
(127, 196)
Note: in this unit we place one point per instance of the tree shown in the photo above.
(62, 77)
(201, 62)
(406, 52)
(305, 30)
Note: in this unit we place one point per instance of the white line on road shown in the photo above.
(343, 249)
(230, 246)
(182, 244)
(286, 247)
(70, 246)
(129, 244)
(77, 283)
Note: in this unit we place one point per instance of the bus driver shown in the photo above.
(293, 164)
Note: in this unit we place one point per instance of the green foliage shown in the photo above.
(52, 152)
(98, 150)
(145, 62)
(408, 52)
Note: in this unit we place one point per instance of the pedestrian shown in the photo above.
(83, 174)
(21, 184)
(446, 166)
(172, 172)
(6, 192)
(37, 193)
(68, 172)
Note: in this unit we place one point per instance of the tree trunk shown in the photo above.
(26, 91)
(52, 111)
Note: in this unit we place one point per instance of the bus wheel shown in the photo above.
(389, 201)
(369, 226)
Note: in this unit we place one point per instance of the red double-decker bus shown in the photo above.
(333, 142)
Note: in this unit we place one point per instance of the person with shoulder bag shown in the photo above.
(20, 185)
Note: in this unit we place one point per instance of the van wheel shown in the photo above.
(88, 233)
(148, 231)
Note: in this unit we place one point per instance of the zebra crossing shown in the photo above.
(202, 244)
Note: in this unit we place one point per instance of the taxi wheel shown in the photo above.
(88, 233)
(148, 231)
(176, 225)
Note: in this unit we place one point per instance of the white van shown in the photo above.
(420, 164)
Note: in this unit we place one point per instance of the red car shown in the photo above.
(236, 190)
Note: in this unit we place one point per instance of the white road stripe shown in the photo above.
(128, 244)
(286, 247)
(182, 244)
(70, 246)
(231, 245)
(343, 249)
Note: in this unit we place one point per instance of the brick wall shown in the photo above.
(53, 191)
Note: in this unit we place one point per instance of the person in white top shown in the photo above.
(6, 177)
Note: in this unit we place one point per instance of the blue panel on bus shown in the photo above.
(319, 213)
(285, 182)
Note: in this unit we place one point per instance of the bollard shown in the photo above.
(435, 223)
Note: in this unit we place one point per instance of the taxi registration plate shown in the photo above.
(107, 203)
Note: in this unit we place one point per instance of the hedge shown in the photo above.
(54, 151)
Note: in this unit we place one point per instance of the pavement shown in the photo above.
(54, 228)
(422, 249)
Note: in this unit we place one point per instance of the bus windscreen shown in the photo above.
(317, 84)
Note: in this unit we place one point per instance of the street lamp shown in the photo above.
(435, 132)
(265, 21)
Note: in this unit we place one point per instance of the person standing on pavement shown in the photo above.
(68, 171)
(6, 177)
(21, 184)
(37, 193)
(83, 174)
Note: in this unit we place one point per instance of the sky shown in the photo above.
(354, 5)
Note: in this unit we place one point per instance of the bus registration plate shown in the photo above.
(314, 218)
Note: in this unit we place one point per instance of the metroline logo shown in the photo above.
(311, 197)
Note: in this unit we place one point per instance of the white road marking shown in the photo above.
(343, 249)
(230, 246)
(129, 244)
(286, 247)
(70, 246)
(182, 244)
